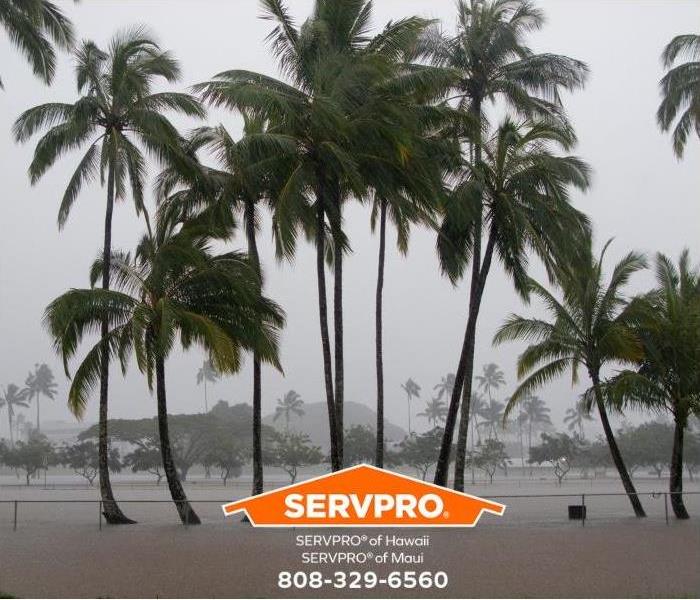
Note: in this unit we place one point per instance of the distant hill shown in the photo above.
(314, 422)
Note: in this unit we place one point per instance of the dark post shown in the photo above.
(99, 516)
(583, 513)
(666, 506)
(14, 528)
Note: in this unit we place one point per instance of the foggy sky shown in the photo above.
(640, 195)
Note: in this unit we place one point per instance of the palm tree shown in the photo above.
(435, 411)
(13, 397)
(40, 382)
(667, 377)
(680, 88)
(445, 387)
(116, 116)
(493, 62)
(492, 415)
(590, 328)
(172, 288)
(33, 26)
(333, 66)
(289, 405)
(206, 373)
(575, 417)
(535, 413)
(412, 390)
(520, 192)
(246, 174)
(492, 378)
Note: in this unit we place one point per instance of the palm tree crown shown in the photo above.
(40, 383)
(13, 397)
(680, 88)
(33, 26)
(289, 405)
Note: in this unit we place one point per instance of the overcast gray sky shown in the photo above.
(641, 195)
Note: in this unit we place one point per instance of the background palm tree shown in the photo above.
(116, 116)
(576, 416)
(40, 383)
(492, 416)
(206, 373)
(289, 405)
(680, 88)
(589, 328)
(435, 411)
(522, 186)
(412, 390)
(667, 377)
(445, 387)
(172, 288)
(492, 378)
(13, 397)
(536, 414)
(33, 26)
(492, 60)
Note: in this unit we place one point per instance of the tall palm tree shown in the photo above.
(680, 88)
(333, 66)
(205, 374)
(34, 26)
(116, 117)
(493, 61)
(520, 192)
(290, 404)
(11, 398)
(245, 175)
(435, 411)
(590, 327)
(535, 413)
(173, 287)
(492, 379)
(575, 417)
(40, 383)
(667, 377)
(445, 387)
(412, 390)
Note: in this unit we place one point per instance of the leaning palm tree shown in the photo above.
(490, 54)
(290, 404)
(680, 88)
(590, 327)
(412, 390)
(34, 26)
(11, 398)
(207, 374)
(173, 287)
(667, 376)
(519, 191)
(116, 117)
(333, 66)
(575, 417)
(40, 383)
(435, 411)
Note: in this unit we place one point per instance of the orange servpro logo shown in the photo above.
(363, 496)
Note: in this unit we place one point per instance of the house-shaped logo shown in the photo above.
(363, 496)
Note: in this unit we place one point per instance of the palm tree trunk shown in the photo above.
(206, 406)
(325, 341)
(257, 381)
(187, 515)
(38, 424)
(676, 478)
(615, 451)
(379, 457)
(338, 323)
(465, 368)
(461, 453)
(9, 418)
(112, 512)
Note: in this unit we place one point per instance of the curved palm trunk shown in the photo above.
(187, 514)
(336, 464)
(257, 381)
(676, 478)
(615, 452)
(379, 456)
(111, 510)
(461, 453)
